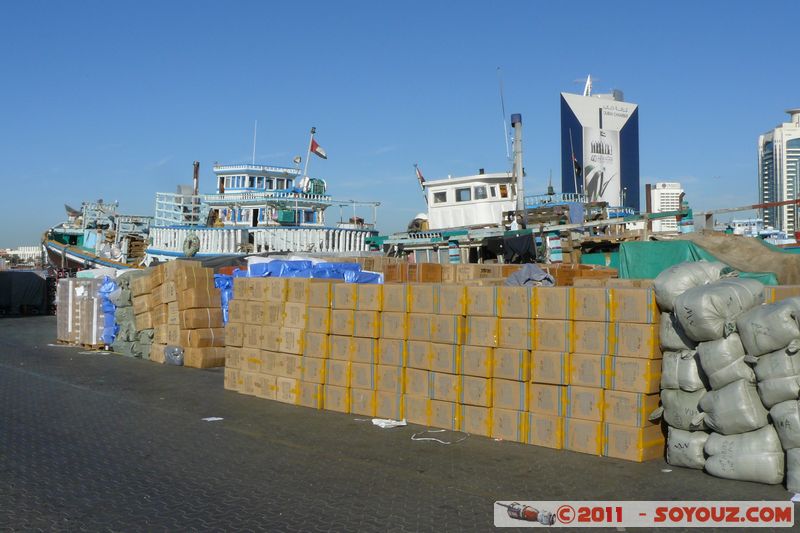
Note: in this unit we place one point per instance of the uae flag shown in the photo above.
(420, 177)
(317, 149)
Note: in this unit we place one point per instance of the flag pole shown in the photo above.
(574, 171)
(308, 154)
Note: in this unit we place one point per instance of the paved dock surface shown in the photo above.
(94, 441)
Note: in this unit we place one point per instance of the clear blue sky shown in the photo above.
(115, 100)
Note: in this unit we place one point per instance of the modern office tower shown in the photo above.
(665, 196)
(600, 147)
(778, 169)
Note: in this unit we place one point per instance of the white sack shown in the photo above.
(786, 419)
(764, 467)
(723, 361)
(685, 448)
(672, 282)
(735, 408)
(679, 408)
(793, 470)
(681, 370)
(672, 336)
(769, 327)
(709, 312)
(778, 375)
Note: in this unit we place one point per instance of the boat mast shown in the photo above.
(516, 123)
(308, 153)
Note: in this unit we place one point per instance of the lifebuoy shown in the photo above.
(191, 245)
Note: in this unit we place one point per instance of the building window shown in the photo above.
(463, 195)
(440, 197)
(480, 192)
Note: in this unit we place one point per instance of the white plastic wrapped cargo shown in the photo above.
(778, 375)
(770, 327)
(672, 282)
(735, 408)
(765, 439)
(671, 334)
(793, 470)
(709, 312)
(786, 419)
(685, 448)
(681, 370)
(679, 408)
(753, 456)
(723, 361)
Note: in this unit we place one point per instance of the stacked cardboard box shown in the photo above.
(79, 316)
(179, 302)
(557, 367)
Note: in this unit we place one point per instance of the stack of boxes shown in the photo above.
(560, 367)
(79, 316)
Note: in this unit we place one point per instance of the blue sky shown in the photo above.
(115, 100)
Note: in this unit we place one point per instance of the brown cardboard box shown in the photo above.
(421, 298)
(168, 292)
(636, 375)
(546, 430)
(552, 303)
(445, 387)
(173, 314)
(636, 340)
(362, 376)
(776, 293)
(508, 424)
(447, 329)
(362, 402)
(143, 321)
(204, 357)
(367, 324)
(585, 403)
(160, 334)
(364, 350)
(287, 389)
(392, 352)
(585, 436)
(297, 290)
(234, 357)
(634, 305)
(340, 347)
(241, 289)
(417, 409)
(200, 338)
(292, 340)
(547, 399)
(231, 376)
(451, 300)
(318, 319)
(336, 398)
(468, 272)
(550, 367)
(237, 310)
(144, 303)
(449, 273)
(629, 408)
(445, 358)
(425, 272)
(157, 353)
(311, 395)
(169, 269)
(590, 370)
(394, 325)
(515, 333)
(445, 415)
(295, 315)
(389, 405)
(508, 394)
(315, 345)
(275, 289)
(419, 327)
(337, 373)
(396, 273)
(511, 364)
(143, 284)
(476, 420)
(251, 359)
(591, 304)
(477, 361)
(320, 294)
(633, 443)
(273, 313)
(160, 315)
(416, 382)
(482, 301)
(592, 337)
(515, 302)
(389, 378)
(270, 338)
(418, 354)
(482, 331)
(476, 391)
(553, 335)
(370, 297)
(200, 318)
(313, 370)
(199, 297)
(265, 386)
(395, 298)
(345, 296)
(234, 334)
(342, 322)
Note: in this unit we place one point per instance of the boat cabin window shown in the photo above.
(480, 192)
(463, 195)
(260, 182)
(493, 191)
(440, 197)
(503, 191)
(252, 181)
(270, 184)
(281, 183)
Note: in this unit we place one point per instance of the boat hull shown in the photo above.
(64, 256)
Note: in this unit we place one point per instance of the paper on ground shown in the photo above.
(387, 423)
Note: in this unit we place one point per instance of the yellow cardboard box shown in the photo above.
(367, 324)
(546, 430)
(446, 415)
(585, 403)
(629, 408)
(313, 370)
(270, 338)
(295, 315)
(311, 395)
(508, 394)
(297, 290)
(592, 337)
(345, 296)
(231, 377)
(451, 300)
(636, 375)
(241, 289)
(273, 313)
(552, 303)
(389, 405)
(234, 334)
(418, 354)
(340, 347)
(364, 350)
(392, 352)
(394, 325)
(444, 387)
(336, 398)
(416, 382)
(508, 424)
(233, 357)
(515, 302)
(417, 409)
(315, 345)
(287, 389)
(591, 304)
(636, 340)
(318, 319)
(275, 289)
(634, 305)
(422, 298)
(482, 331)
(445, 358)
(515, 333)
(292, 340)
(477, 361)
(265, 386)
(320, 294)
(550, 367)
(419, 327)
(370, 297)
(547, 399)
(362, 402)
(271, 361)
(590, 370)
(510, 363)
(337, 372)
(476, 420)
(447, 329)
(633, 443)
(362, 375)
(553, 335)
(237, 310)
(254, 313)
(395, 298)
(585, 436)
(342, 321)
(389, 378)
(251, 359)
(481, 301)
(476, 391)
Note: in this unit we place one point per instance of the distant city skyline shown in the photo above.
(115, 100)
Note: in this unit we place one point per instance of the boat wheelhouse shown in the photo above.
(470, 201)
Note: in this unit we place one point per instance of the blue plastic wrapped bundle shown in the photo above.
(333, 270)
(363, 276)
(282, 269)
(225, 285)
(110, 327)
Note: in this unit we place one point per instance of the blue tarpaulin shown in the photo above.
(110, 327)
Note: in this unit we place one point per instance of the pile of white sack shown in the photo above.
(730, 375)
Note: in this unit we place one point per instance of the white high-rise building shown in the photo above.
(665, 196)
(778, 171)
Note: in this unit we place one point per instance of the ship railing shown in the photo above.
(260, 168)
(543, 199)
(246, 197)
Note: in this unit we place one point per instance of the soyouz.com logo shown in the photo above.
(748, 514)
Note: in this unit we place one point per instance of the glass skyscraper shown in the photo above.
(778, 170)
